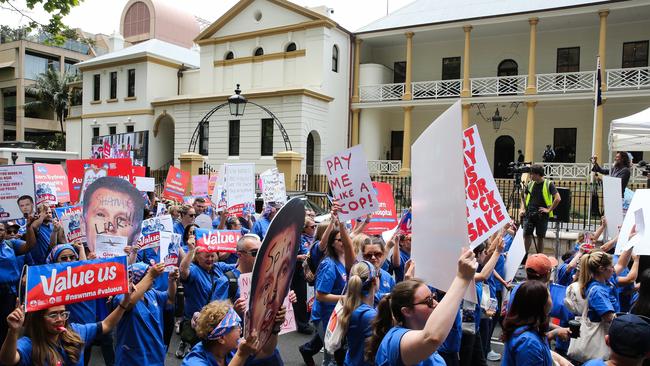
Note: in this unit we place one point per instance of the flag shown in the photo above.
(599, 82)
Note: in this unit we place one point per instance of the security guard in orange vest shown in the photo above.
(541, 199)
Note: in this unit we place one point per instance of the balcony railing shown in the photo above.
(566, 82)
(381, 92)
(499, 85)
(580, 171)
(436, 89)
(384, 166)
(632, 78)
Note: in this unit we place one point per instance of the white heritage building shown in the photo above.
(292, 60)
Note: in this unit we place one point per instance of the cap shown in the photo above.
(629, 336)
(540, 263)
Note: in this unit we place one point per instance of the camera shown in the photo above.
(519, 168)
(646, 170)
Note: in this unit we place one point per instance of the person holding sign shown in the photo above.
(541, 198)
(410, 327)
(261, 226)
(44, 231)
(49, 338)
(621, 168)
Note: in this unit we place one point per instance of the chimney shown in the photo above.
(115, 42)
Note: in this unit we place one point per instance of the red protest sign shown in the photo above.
(138, 171)
(175, 184)
(224, 241)
(54, 177)
(82, 173)
(385, 218)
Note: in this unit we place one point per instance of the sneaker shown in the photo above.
(180, 352)
(493, 356)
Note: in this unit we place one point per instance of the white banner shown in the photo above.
(613, 204)
(273, 187)
(349, 180)
(16, 191)
(109, 246)
(486, 212)
(515, 255)
(240, 187)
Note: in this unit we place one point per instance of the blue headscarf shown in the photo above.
(138, 270)
(56, 251)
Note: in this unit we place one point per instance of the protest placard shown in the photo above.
(405, 223)
(16, 191)
(486, 212)
(212, 182)
(385, 218)
(224, 241)
(641, 199)
(349, 180)
(151, 240)
(161, 209)
(109, 246)
(515, 255)
(244, 282)
(145, 184)
(82, 173)
(273, 269)
(175, 184)
(200, 185)
(138, 171)
(438, 188)
(70, 218)
(218, 196)
(169, 250)
(613, 204)
(53, 176)
(158, 223)
(69, 282)
(272, 186)
(239, 183)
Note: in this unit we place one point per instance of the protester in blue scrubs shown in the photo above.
(629, 340)
(261, 226)
(139, 335)
(358, 311)
(373, 250)
(43, 228)
(187, 218)
(404, 245)
(417, 325)
(596, 270)
(58, 342)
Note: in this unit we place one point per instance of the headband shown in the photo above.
(229, 321)
(372, 273)
(56, 251)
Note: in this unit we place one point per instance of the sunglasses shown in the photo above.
(252, 253)
(377, 255)
(428, 301)
(191, 215)
(64, 315)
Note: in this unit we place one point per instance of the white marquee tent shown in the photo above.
(631, 133)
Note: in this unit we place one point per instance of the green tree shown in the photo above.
(57, 10)
(52, 91)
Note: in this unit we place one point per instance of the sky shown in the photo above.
(103, 16)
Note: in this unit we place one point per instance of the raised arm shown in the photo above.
(348, 248)
(171, 287)
(632, 275)
(9, 353)
(623, 260)
(362, 226)
(395, 259)
(491, 263)
(184, 268)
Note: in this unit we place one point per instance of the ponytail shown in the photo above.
(380, 326)
(589, 266)
(360, 282)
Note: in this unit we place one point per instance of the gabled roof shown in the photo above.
(424, 12)
(242, 4)
(153, 48)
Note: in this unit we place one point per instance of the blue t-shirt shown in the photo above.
(198, 284)
(139, 334)
(452, 342)
(87, 332)
(199, 356)
(261, 226)
(42, 248)
(565, 275)
(9, 269)
(359, 328)
(386, 284)
(594, 363)
(399, 270)
(625, 293)
(526, 347)
(316, 254)
(602, 299)
(389, 352)
(145, 256)
(500, 267)
(82, 312)
(178, 228)
(507, 242)
(330, 279)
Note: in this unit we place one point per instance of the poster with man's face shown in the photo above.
(273, 269)
(112, 206)
(16, 191)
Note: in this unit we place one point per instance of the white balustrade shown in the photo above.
(580, 171)
(436, 89)
(384, 166)
(632, 78)
(566, 82)
(499, 85)
(381, 92)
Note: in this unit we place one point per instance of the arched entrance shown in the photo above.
(504, 154)
(161, 153)
(313, 153)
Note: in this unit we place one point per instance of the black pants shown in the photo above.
(168, 326)
(471, 350)
(7, 305)
(451, 358)
(299, 286)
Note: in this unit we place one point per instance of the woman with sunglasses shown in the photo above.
(358, 311)
(373, 250)
(410, 325)
(50, 339)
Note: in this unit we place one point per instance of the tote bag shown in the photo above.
(591, 343)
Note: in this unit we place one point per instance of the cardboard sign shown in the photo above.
(272, 186)
(405, 222)
(613, 204)
(515, 255)
(151, 240)
(161, 209)
(66, 283)
(145, 184)
(16, 181)
(438, 186)
(385, 218)
(200, 185)
(224, 241)
(273, 269)
(239, 187)
(82, 173)
(244, 283)
(54, 177)
(641, 199)
(175, 184)
(169, 249)
(349, 180)
(212, 182)
(110, 246)
(486, 212)
(159, 223)
(70, 218)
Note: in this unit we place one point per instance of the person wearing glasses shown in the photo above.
(410, 325)
(373, 250)
(358, 311)
(188, 215)
(299, 282)
(49, 339)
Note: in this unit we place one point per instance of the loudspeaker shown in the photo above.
(563, 211)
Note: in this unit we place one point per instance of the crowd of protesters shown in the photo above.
(387, 315)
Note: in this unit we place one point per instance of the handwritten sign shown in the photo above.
(16, 181)
(66, 283)
(244, 282)
(53, 177)
(486, 212)
(200, 185)
(224, 241)
(349, 180)
(175, 184)
(239, 183)
(273, 187)
(110, 246)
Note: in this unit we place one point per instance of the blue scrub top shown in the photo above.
(316, 254)
(82, 312)
(594, 363)
(331, 278)
(386, 284)
(139, 334)
(42, 247)
(500, 267)
(87, 332)
(178, 228)
(625, 293)
(389, 352)
(145, 256)
(359, 328)
(399, 270)
(199, 283)
(452, 342)
(507, 242)
(564, 275)
(602, 299)
(9, 269)
(199, 356)
(526, 347)
(261, 226)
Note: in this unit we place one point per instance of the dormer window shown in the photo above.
(229, 55)
(259, 51)
(291, 47)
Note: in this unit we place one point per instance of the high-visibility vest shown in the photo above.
(548, 199)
